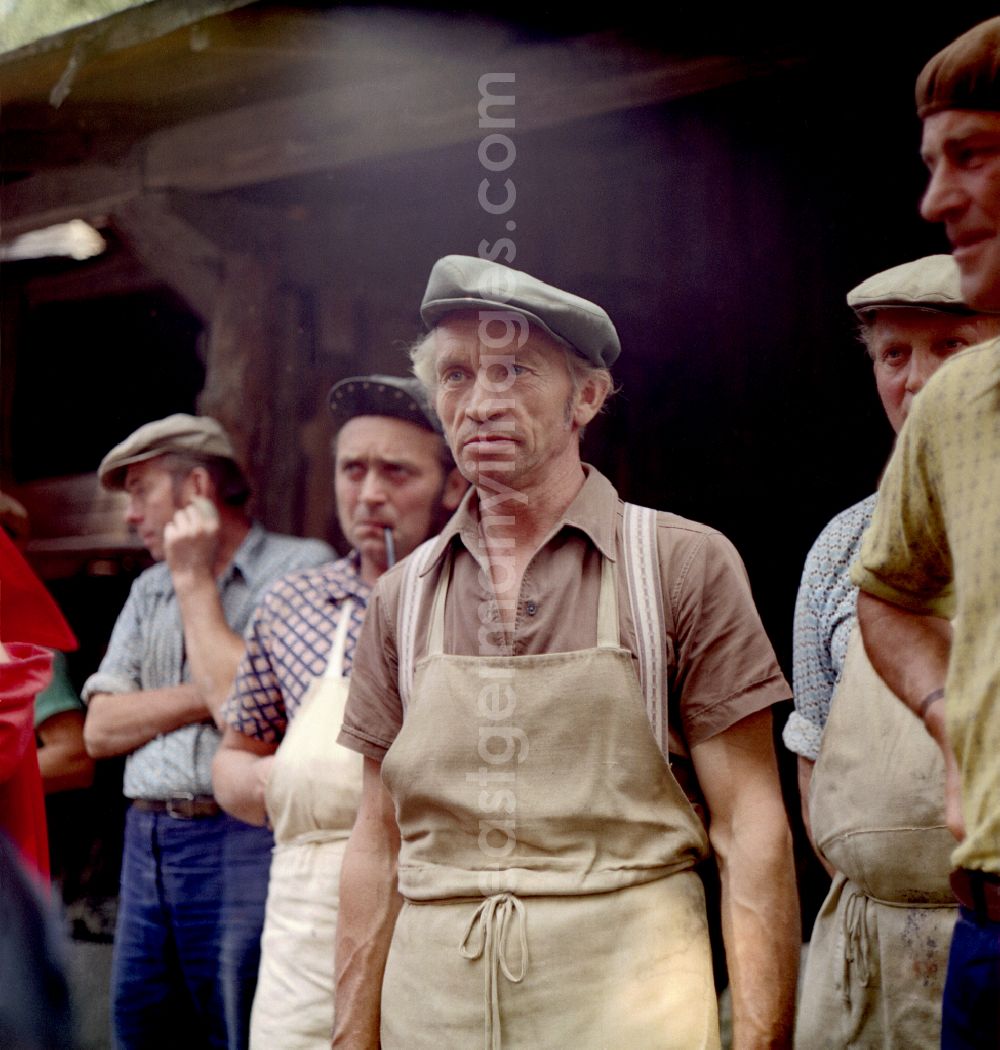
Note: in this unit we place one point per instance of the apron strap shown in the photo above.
(488, 930)
(409, 599)
(642, 571)
(435, 636)
(608, 630)
(335, 663)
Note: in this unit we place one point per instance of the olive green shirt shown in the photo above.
(934, 547)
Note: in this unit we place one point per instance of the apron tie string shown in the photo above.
(856, 939)
(488, 930)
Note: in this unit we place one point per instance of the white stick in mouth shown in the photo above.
(390, 548)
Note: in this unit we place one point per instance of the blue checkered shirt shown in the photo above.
(825, 612)
(288, 645)
(146, 651)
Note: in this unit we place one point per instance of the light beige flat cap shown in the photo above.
(194, 435)
(930, 283)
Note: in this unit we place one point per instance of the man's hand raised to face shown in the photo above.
(191, 540)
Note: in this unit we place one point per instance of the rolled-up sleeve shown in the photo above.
(256, 705)
(374, 712)
(121, 668)
(905, 557)
(725, 667)
(813, 674)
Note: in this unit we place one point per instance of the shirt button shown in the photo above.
(531, 608)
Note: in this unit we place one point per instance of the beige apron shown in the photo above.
(875, 971)
(545, 859)
(312, 797)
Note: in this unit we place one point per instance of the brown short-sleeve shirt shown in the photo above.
(720, 664)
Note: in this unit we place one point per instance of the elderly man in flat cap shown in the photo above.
(933, 550)
(191, 903)
(874, 803)
(395, 485)
(528, 691)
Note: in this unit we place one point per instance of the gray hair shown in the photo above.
(231, 485)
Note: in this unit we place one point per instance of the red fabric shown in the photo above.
(22, 802)
(27, 611)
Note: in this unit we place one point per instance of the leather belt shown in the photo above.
(979, 891)
(180, 807)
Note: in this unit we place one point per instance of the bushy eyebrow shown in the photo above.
(379, 462)
(450, 359)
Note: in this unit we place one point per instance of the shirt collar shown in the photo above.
(593, 511)
(343, 579)
(246, 557)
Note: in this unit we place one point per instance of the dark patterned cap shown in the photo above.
(376, 395)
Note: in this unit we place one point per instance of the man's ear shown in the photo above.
(197, 483)
(590, 398)
(454, 489)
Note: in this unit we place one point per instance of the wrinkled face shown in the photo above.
(507, 402)
(961, 149)
(388, 473)
(909, 346)
(153, 499)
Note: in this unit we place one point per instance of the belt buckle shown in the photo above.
(180, 807)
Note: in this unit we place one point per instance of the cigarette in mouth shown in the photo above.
(390, 548)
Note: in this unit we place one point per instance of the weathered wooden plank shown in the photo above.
(432, 108)
(108, 275)
(237, 366)
(173, 250)
(375, 117)
(82, 192)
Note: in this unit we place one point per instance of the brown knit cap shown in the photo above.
(965, 75)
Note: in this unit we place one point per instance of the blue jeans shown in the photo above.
(174, 955)
(971, 1010)
(247, 863)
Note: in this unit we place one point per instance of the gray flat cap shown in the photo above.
(377, 395)
(194, 435)
(463, 282)
(931, 283)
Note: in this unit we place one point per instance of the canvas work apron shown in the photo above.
(545, 859)
(312, 798)
(877, 958)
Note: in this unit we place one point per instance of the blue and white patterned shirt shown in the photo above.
(825, 611)
(288, 645)
(146, 651)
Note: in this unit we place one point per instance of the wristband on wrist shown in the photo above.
(929, 699)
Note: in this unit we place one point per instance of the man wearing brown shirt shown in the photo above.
(521, 863)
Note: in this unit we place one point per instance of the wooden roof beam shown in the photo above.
(367, 120)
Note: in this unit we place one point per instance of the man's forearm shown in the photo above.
(369, 904)
(239, 776)
(213, 648)
(761, 930)
(119, 723)
(62, 757)
(748, 828)
(908, 650)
